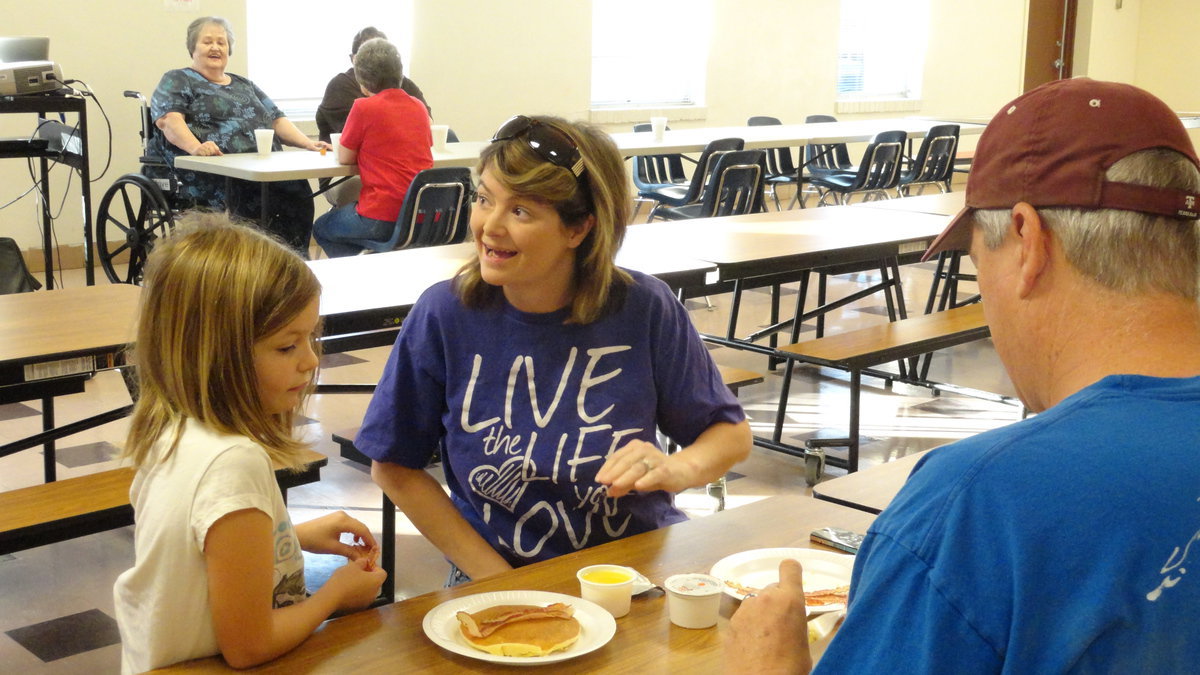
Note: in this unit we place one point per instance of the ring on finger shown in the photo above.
(646, 463)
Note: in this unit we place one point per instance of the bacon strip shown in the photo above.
(483, 629)
(830, 596)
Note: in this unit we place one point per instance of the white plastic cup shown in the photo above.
(693, 600)
(440, 131)
(659, 126)
(336, 141)
(263, 138)
(610, 586)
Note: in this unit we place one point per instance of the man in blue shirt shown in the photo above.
(1060, 543)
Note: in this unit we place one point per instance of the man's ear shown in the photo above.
(1034, 242)
(580, 232)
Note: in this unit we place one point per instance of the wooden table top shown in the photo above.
(390, 639)
(870, 489)
(65, 322)
(941, 203)
(784, 241)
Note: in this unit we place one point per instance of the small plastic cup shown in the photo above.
(263, 138)
(610, 586)
(336, 141)
(693, 600)
(659, 126)
(440, 131)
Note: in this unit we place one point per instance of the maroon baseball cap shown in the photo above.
(1052, 145)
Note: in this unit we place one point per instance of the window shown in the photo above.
(881, 49)
(648, 53)
(294, 47)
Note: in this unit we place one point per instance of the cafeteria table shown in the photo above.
(870, 489)
(390, 638)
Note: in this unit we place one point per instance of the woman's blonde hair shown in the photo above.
(212, 290)
(602, 190)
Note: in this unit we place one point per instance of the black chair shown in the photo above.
(436, 211)
(934, 163)
(878, 173)
(653, 173)
(734, 187)
(693, 191)
(823, 159)
(781, 170)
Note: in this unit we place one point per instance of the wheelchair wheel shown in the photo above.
(135, 212)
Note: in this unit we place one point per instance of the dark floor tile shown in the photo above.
(67, 636)
(13, 411)
(88, 453)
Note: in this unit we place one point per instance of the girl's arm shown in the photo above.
(642, 466)
(422, 499)
(239, 553)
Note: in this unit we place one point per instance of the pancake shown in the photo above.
(520, 630)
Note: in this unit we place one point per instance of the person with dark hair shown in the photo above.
(388, 136)
(204, 110)
(343, 90)
(543, 372)
(1061, 543)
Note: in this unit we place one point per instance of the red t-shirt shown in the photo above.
(390, 132)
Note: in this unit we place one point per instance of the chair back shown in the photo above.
(825, 157)
(934, 163)
(881, 163)
(779, 160)
(651, 172)
(706, 164)
(436, 211)
(735, 184)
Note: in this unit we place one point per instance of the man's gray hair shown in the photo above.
(1126, 251)
(194, 28)
(377, 66)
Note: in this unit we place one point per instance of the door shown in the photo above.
(1051, 41)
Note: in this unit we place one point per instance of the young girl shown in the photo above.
(542, 371)
(225, 355)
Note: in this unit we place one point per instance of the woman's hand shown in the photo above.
(642, 466)
(769, 632)
(206, 149)
(324, 535)
(355, 584)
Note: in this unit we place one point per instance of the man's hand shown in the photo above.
(769, 632)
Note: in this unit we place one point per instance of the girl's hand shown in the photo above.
(207, 149)
(355, 584)
(324, 535)
(641, 466)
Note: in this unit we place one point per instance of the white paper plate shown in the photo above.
(760, 568)
(597, 626)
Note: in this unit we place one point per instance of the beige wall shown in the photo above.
(480, 61)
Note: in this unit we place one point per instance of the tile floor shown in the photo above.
(56, 601)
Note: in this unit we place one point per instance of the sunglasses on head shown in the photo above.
(550, 143)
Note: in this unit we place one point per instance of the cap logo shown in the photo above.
(1012, 109)
(1190, 202)
(1095, 103)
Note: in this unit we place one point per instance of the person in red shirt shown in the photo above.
(387, 134)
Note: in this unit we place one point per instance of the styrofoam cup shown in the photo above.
(659, 126)
(610, 586)
(693, 600)
(439, 136)
(336, 141)
(263, 138)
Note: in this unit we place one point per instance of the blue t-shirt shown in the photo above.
(1057, 544)
(527, 408)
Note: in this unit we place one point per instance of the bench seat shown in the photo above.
(858, 350)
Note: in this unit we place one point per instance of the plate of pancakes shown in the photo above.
(519, 627)
(826, 575)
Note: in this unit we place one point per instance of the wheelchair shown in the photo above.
(138, 208)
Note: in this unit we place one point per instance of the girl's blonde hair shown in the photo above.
(211, 291)
(602, 190)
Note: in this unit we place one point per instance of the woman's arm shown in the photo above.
(642, 466)
(289, 134)
(176, 131)
(239, 552)
(422, 499)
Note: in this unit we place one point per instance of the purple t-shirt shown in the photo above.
(527, 408)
